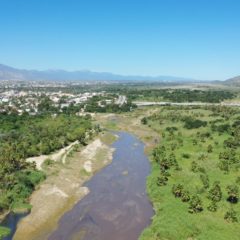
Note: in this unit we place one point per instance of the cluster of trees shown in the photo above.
(191, 123)
(25, 136)
(99, 104)
(166, 163)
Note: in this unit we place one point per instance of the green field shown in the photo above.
(199, 149)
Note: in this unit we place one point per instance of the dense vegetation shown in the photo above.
(25, 136)
(194, 184)
(178, 95)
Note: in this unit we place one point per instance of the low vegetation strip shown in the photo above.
(194, 184)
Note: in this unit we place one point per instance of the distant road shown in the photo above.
(237, 104)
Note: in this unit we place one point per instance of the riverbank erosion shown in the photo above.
(62, 189)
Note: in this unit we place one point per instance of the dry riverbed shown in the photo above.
(62, 188)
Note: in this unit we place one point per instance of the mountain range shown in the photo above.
(14, 74)
(10, 73)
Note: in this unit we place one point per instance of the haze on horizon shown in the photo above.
(194, 39)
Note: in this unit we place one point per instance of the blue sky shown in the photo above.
(187, 38)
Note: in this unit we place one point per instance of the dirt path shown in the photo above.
(62, 189)
(60, 155)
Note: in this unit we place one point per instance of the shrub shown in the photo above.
(177, 190)
(205, 180)
(194, 166)
(231, 216)
(185, 196)
(215, 193)
(195, 204)
(162, 181)
(233, 193)
(212, 207)
(144, 121)
(191, 123)
(210, 148)
(186, 155)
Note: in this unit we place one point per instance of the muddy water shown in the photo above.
(117, 207)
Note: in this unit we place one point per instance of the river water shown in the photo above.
(117, 207)
(11, 221)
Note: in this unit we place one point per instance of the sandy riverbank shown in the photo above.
(62, 189)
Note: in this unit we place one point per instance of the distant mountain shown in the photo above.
(233, 81)
(9, 73)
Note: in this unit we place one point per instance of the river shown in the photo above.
(117, 206)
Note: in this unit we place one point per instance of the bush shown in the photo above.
(231, 216)
(212, 207)
(194, 166)
(233, 193)
(195, 204)
(177, 190)
(205, 180)
(215, 193)
(185, 196)
(144, 121)
(162, 181)
(186, 155)
(191, 123)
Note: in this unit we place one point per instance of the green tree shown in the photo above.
(231, 216)
(194, 166)
(233, 193)
(144, 121)
(205, 180)
(185, 196)
(210, 148)
(177, 190)
(162, 181)
(195, 204)
(212, 206)
(215, 193)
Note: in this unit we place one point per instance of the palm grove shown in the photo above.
(25, 136)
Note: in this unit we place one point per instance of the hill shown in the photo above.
(233, 81)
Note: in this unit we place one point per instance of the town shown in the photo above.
(35, 101)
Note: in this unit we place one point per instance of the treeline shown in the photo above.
(25, 136)
(178, 95)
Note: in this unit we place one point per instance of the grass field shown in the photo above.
(172, 218)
